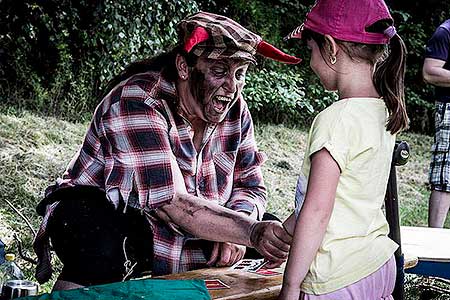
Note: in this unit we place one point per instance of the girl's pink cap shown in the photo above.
(347, 20)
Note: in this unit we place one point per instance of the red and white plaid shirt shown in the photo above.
(127, 150)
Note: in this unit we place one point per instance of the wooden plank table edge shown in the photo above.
(267, 293)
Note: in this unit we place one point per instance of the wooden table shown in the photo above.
(246, 285)
(431, 246)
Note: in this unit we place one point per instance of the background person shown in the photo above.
(436, 71)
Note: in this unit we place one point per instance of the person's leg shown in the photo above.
(87, 238)
(439, 176)
(87, 234)
(439, 205)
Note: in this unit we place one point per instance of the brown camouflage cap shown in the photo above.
(215, 36)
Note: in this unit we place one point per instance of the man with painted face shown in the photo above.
(168, 178)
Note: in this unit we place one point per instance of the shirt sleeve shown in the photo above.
(329, 131)
(134, 137)
(249, 192)
(439, 44)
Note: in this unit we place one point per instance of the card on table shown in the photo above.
(215, 284)
(267, 272)
(249, 265)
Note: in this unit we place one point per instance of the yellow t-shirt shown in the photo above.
(356, 242)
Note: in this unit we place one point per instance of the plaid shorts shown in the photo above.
(439, 175)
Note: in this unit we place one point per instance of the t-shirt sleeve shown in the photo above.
(330, 131)
(439, 44)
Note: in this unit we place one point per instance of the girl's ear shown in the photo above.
(330, 45)
(182, 67)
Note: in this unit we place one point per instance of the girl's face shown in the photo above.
(322, 69)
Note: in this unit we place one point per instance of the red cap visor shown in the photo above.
(274, 53)
(198, 35)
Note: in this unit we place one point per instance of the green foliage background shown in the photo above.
(57, 55)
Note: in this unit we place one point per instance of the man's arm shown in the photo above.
(210, 221)
(434, 73)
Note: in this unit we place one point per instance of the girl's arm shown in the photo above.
(312, 222)
(289, 224)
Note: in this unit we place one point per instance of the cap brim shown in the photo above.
(272, 52)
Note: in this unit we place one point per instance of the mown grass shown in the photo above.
(34, 151)
(285, 148)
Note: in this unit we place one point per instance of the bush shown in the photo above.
(279, 96)
(57, 55)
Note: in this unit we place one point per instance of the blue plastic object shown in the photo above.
(431, 268)
(2, 252)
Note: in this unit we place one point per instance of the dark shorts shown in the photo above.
(88, 233)
(439, 176)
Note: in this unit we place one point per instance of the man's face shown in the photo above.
(215, 85)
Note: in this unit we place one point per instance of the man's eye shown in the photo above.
(219, 71)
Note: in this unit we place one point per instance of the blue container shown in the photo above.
(2, 252)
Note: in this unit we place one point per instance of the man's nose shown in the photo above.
(230, 84)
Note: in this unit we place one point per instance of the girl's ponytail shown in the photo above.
(389, 79)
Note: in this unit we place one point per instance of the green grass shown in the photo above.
(34, 151)
(285, 148)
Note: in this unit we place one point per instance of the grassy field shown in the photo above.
(34, 151)
(285, 148)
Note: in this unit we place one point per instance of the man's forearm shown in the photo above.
(435, 74)
(438, 77)
(208, 220)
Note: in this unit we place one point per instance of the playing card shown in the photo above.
(267, 272)
(215, 284)
(257, 265)
(249, 265)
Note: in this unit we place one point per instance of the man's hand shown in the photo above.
(226, 254)
(271, 240)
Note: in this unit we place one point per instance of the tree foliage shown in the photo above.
(57, 55)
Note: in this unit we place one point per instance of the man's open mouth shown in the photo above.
(221, 102)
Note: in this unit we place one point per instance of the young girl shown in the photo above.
(341, 250)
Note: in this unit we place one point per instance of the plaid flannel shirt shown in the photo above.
(126, 152)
